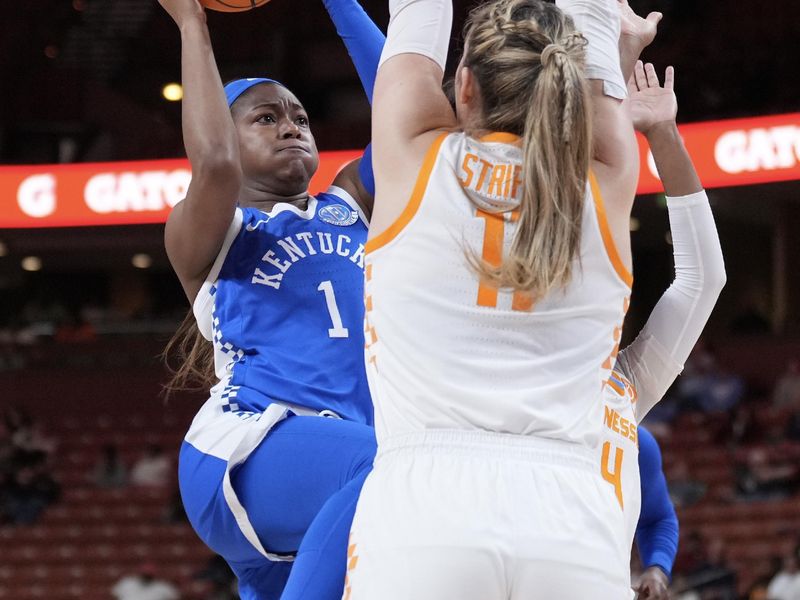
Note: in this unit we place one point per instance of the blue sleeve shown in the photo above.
(365, 171)
(364, 42)
(657, 531)
(363, 39)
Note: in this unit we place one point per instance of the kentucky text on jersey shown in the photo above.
(295, 248)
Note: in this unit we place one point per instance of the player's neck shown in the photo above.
(265, 199)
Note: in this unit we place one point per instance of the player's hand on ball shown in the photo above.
(633, 26)
(649, 104)
(653, 585)
(182, 10)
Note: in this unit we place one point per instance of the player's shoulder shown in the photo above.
(336, 207)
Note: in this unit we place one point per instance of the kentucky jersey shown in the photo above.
(283, 306)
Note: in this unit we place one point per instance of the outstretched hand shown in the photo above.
(182, 10)
(653, 585)
(649, 104)
(644, 29)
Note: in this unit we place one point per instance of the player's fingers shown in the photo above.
(652, 76)
(669, 79)
(639, 76)
(655, 17)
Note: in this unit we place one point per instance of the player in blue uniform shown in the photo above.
(657, 529)
(275, 278)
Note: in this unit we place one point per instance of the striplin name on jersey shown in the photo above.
(294, 248)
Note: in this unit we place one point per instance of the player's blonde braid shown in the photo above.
(528, 61)
(563, 54)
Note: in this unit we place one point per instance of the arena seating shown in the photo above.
(92, 537)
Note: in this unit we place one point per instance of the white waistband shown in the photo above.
(492, 445)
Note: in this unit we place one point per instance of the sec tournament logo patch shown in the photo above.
(338, 214)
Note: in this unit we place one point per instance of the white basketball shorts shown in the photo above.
(462, 515)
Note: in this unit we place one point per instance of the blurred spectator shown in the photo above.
(703, 567)
(744, 429)
(144, 585)
(153, 469)
(29, 491)
(786, 583)
(26, 485)
(762, 476)
(109, 471)
(683, 490)
(706, 387)
(787, 389)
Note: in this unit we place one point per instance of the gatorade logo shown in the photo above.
(758, 149)
(137, 192)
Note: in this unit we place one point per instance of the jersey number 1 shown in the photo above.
(338, 330)
(493, 234)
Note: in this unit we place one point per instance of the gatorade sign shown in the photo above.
(119, 193)
(735, 152)
(726, 153)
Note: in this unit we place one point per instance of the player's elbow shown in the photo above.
(715, 278)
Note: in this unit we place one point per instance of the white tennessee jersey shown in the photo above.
(618, 451)
(446, 351)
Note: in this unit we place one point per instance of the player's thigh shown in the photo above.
(290, 476)
(570, 542)
(423, 529)
(437, 573)
(545, 580)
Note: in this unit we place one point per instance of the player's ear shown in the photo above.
(467, 90)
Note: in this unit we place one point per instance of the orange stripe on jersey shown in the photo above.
(605, 232)
(414, 202)
(522, 301)
(492, 253)
(500, 137)
(614, 385)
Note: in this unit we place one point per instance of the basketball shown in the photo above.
(232, 5)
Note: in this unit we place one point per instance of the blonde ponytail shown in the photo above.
(528, 61)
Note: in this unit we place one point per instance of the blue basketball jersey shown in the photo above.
(284, 307)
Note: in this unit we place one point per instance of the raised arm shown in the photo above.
(409, 104)
(656, 357)
(657, 531)
(364, 42)
(197, 225)
(615, 154)
(362, 38)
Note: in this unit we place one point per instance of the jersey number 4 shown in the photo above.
(615, 477)
(338, 330)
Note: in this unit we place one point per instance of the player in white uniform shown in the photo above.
(497, 283)
(647, 367)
